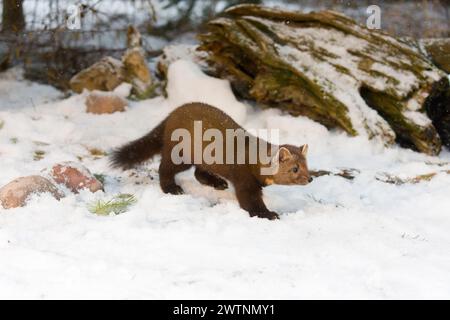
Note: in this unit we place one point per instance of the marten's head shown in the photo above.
(292, 167)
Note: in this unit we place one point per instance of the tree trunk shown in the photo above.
(325, 66)
(13, 19)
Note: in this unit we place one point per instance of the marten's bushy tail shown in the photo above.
(139, 150)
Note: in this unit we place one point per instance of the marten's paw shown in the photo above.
(266, 215)
(210, 179)
(173, 189)
(220, 184)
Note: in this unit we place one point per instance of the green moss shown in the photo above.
(100, 177)
(148, 93)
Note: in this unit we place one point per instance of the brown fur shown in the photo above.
(246, 178)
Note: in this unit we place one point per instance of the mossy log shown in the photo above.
(325, 66)
(438, 50)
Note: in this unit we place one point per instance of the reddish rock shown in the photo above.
(100, 103)
(16, 193)
(75, 177)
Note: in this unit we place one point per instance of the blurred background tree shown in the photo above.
(13, 18)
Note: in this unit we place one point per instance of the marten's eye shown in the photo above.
(294, 169)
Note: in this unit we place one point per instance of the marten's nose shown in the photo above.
(310, 179)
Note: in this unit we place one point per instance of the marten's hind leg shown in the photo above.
(167, 172)
(210, 179)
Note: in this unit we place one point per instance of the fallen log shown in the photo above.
(325, 66)
(438, 50)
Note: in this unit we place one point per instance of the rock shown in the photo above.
(104, 75)
(75, 177)
(134, 38)
(99, 103)
(16, 193)
(136, 69)
(109, 72)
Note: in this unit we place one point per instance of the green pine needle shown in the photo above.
(117, 205)
(100, 177)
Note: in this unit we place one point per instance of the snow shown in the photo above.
(336, 238)
(123, 90)
(188, 83)
(184, 51)
(417, 117)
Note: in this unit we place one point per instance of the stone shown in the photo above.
(75, 177)
(16, 193)
(100, 103)
(136, 69)
(109, 72)
(104, 75)
(135, 66)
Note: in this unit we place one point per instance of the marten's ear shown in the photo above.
(304, 150)
(284, 154)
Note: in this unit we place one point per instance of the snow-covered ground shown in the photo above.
(336, 238)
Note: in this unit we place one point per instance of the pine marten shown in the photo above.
(247, 177)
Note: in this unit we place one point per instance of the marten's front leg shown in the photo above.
(249, 195)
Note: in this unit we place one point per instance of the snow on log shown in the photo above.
(325, 66)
